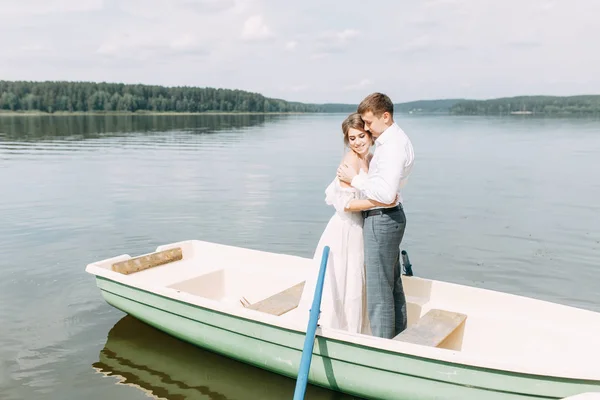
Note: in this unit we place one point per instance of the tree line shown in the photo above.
(544, 105)
(61, 96)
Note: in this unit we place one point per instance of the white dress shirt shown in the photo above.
(390, 167)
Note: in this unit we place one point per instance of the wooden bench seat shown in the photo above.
(281, 302)
(433, 328)
(151, 260)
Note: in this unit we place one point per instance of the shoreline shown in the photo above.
(139, 113)
(7, 113)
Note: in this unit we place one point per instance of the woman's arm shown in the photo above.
(360, 205)
(350, 159)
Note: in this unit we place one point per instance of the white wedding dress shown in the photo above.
(343, 303)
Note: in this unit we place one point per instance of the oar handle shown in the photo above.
(406, 262)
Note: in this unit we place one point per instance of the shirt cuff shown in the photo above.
(358, 181)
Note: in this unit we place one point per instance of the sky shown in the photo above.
(313, 51)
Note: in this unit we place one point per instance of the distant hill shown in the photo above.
(63, 96)
(418, 106)
(427, 106)
(539, 105)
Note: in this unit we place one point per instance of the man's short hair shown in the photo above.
(377, 103)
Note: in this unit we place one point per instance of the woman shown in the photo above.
(343, 304)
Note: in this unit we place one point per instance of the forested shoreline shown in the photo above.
(52, 97)
(63, 97)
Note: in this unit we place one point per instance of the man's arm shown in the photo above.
(383, 184)
(365, 204)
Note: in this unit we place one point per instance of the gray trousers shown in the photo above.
(386, 303)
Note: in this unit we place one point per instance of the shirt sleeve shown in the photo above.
(383, 184)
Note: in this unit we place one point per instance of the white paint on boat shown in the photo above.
(502, 331)
(584, 396)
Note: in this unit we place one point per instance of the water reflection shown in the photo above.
(44, 127)
(165, 367)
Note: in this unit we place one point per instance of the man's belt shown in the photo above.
(380, 211)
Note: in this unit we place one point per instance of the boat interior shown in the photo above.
(263, 288)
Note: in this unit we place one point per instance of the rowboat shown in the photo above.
(462, 342)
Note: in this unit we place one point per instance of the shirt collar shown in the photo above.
(385, 135)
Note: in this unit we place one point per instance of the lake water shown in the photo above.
(510, 204)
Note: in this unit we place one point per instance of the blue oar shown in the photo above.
(309, 340)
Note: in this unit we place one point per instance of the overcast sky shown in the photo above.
(311, 50)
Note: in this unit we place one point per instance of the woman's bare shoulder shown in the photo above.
(351, 159)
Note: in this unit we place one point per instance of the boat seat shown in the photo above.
(433, 328)
(279, 303)
(151, 260)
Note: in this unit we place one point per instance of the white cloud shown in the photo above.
(22, 8)
(332, 43)
(210, 5)
(36, 47)
(298, 88)
(255, 29)
(417, 43)
(146, 45)
(291, 45)
(338, 38)
(436, 3)
(347, 34)
(364, 83)
(244, 6)
(414, 50)
(171, 9)
(108, 48)
(184, 42)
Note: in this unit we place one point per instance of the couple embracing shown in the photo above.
(362, 291)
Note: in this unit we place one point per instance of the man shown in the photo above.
(383, 230)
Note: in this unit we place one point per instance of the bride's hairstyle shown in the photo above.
(354, 121)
